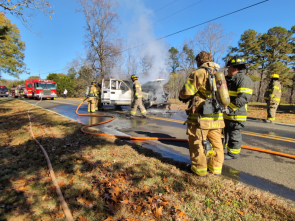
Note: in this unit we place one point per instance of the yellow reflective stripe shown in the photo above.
(190, 87)
(233, 93)
(234, 107)
(139, 96)
(136, 85)
(133, 112)
(234, 151)
(136, 93)
(271, 118)
(276, 87)
(271, 95)
(246, 107)
(202, 171)
(206, 116)
(215, 169)
(245, 90)
(266, 98)
(143, 111)
(208, 94)
(269, 90)
(280, 91)
(236, 118)
(276, 99)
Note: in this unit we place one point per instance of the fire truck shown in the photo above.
(15, 90)
(29, 89)
(4, 91)
(43, 88)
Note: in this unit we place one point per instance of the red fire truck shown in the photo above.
(29, 89)
(43, 88)
(15, 90)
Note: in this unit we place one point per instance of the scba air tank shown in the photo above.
(222, 94)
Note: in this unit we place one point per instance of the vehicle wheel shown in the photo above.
(118, 107)
(52, 98)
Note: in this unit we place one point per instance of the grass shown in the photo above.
(110, 179)
(285, 112)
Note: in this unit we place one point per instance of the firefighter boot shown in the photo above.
(130, 116)
(228, 157)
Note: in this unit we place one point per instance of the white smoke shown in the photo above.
(155, 53)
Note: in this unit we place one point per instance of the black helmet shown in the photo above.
(236, 61)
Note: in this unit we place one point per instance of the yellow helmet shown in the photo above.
(134, 77)
(274, 76)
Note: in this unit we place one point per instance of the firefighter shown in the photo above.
(272, 97)
(22, 94)
(201, 126)
(98, 98)
(91, 97)
(240, 87)
(137, 98)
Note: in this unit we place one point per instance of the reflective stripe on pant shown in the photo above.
(137, 103)
(272, 107)
(91, 105)
(233, 137)
(197, 156)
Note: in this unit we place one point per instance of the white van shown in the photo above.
(120, 93)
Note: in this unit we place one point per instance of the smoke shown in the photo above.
(152, 56)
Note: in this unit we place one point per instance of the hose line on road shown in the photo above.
(156, 138)
(64, 205)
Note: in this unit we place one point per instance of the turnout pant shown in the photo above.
(233, 137)
(137, 103)
(197, 155)
(91, 105)
(272, 107)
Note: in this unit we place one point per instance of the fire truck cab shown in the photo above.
(29, 89)
(44, 89)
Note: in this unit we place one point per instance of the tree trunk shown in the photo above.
(292, 90)
(260, 85)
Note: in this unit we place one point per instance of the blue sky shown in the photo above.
(61, 39)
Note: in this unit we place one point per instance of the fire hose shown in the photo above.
(156, 138)
(64, 205)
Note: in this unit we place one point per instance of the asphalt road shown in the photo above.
(266, 171)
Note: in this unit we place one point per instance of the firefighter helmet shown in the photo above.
(274, 76)
(235, 61)
(134, 77)
(93, 82)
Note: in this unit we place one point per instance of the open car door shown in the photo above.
(120, 93)
(105, 92)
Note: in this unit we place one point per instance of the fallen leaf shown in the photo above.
(241, 213)
(82, 218)
(158, 211)
(59, 215)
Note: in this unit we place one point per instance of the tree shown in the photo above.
(213, 39)
(186, 58)
(24, 9)
(11, 48)
(33, 78)
(101, 36)
(173, 59)
(63, 81)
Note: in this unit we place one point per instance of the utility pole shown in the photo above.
(39, 73)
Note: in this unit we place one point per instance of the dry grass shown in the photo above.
(108, 179)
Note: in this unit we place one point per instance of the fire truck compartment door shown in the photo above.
(120, 93)
(105, 91)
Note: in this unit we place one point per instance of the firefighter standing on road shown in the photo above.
(240, 87)
(22, 93)
(272, 97)
(137, 98)
(91, 97)
(201, 126)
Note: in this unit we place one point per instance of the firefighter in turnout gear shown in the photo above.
(240, 87)
(202, 126)
(137, 98)
(22, 94)
(91, 97)
(98, 98)
(272, 97)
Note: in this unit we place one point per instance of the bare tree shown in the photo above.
(213, 39)
(25, 9)
(101, 18)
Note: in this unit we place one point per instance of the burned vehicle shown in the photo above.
(120, 93)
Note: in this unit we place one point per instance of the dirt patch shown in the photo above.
(110, 179)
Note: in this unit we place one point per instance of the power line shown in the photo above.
(197, 25)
